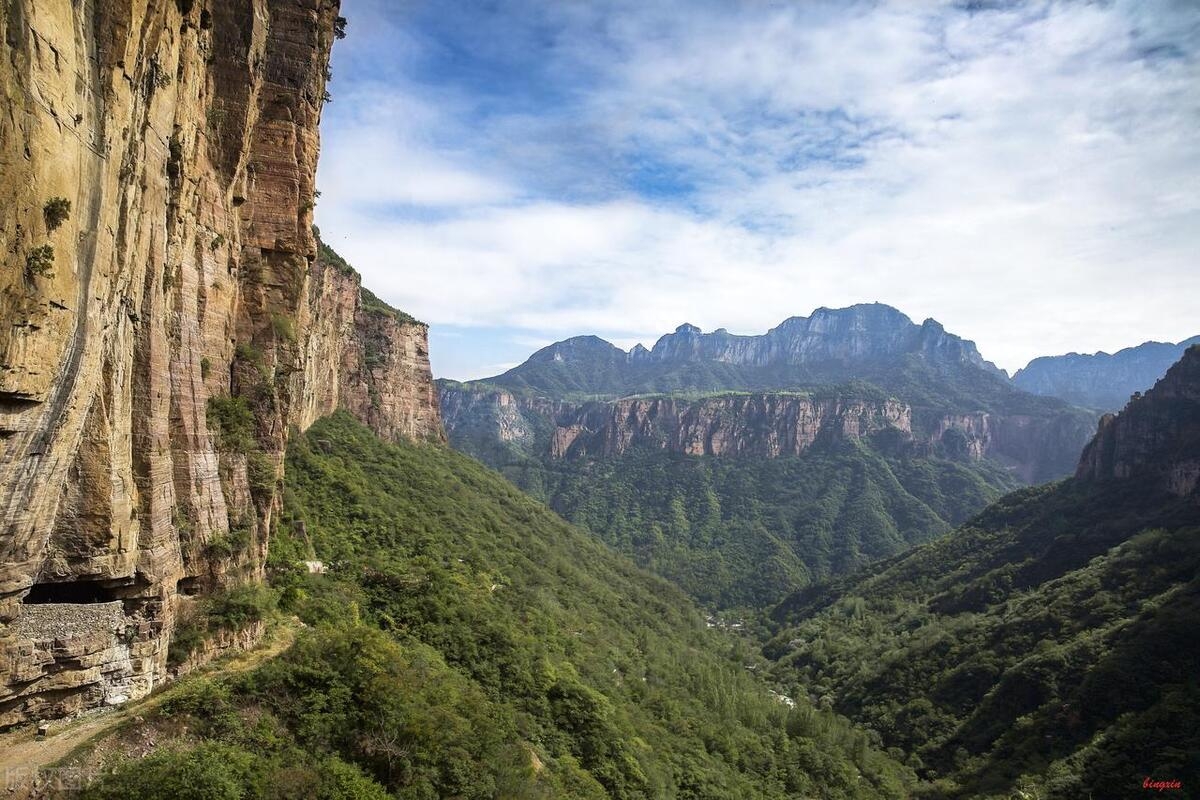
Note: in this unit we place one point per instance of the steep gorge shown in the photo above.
(162, 339)
(1045, 647)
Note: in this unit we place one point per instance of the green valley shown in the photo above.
(744, 532)
(251, 548)
(466, 642)
(743, 467)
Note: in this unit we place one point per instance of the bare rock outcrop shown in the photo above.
(367, 358)
(481, 419)
(763, 425)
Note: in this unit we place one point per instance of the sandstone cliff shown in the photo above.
(365, 357)
(162, 338)
(1156, 436)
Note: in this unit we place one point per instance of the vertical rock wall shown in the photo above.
(367, 358)
(484, 419)
(159, 343)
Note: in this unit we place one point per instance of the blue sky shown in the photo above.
(514, 173)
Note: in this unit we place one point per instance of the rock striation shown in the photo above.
(163, 336)
(762, 425)
(1156, 436)
(1102, 381)
(486, 420)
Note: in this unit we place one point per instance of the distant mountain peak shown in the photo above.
(1103, 381)
(577, 347)
(831, 345)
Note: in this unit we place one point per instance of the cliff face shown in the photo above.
(762, 425)
(858, 333)
(160, 341)
(1157, 435)
(483, 417)
(480, 418)
(1101, 381)
(367, 358)
(1035, 447)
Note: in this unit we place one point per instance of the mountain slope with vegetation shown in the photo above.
(465, 642)
(746, 531)
(1046, 646)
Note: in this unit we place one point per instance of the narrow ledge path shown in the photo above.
(26, 758)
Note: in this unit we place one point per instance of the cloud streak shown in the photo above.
(1024, 174)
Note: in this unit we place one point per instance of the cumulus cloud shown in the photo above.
(1024, 173)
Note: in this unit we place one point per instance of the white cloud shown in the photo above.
(1022, 175)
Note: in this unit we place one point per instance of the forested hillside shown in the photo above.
(1049, 644)
(744, 531)
(744, 467)
(467, 643)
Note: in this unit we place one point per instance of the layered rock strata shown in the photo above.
(164, 323)
(766, 425)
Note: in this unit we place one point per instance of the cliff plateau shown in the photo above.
(490, 422)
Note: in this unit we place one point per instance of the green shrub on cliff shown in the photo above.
(233, 422)
(39, 262)
(56, 211)
(229, 610)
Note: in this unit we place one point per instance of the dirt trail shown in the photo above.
(23, 753)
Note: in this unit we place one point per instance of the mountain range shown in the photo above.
(871, 353)
(1101, 381)
(739, 466)
(874, 340)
